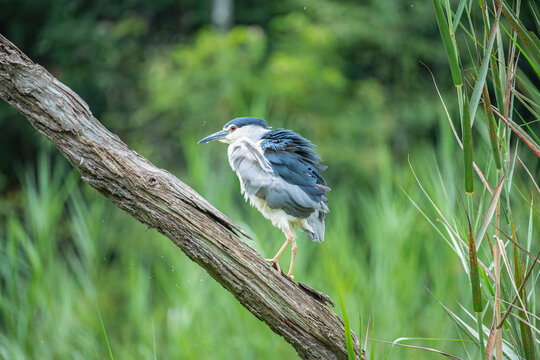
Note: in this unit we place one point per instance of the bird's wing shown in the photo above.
(294, 170)
(292, 158)
(258, 177)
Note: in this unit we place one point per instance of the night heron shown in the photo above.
(280, 174)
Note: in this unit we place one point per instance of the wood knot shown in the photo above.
(151, 180)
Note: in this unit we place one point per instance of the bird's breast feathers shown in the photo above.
(246, 149)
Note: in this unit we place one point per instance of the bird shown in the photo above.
(280, 175)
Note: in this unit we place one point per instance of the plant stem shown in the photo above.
(480, 335)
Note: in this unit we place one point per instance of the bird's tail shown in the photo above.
(316, 222)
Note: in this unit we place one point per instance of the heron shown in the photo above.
(280, 175)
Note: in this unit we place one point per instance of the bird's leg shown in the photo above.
(290, 237)
(293, 256)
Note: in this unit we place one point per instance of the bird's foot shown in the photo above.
(275, 263)
(291, 276)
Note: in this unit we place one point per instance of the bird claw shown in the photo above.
(275, 264)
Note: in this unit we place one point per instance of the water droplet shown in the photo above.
(172, 268)
(305, 7)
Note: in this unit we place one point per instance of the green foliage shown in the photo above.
(81, 279)
(499, 70)
(448, 38)
(347, 326)
(467, 146)
(73, 256)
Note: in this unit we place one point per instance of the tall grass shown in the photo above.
(81, 279)
(79, 276)
(491, 49)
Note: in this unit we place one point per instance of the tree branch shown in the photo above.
(158, 199)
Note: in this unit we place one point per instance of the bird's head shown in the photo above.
(237, 128)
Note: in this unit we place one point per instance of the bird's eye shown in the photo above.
(233, 128)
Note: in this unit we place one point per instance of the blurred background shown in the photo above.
(81, 279)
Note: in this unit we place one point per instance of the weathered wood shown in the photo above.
(158, 199)
(319, 295)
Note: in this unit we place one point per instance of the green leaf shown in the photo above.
(526, 333)
(348, 337)
(480, 82)
(459, 12)
(528, 38)
(475, 276)
(105, 335)
(491, 209)
(522, 135)
(449, 44)
(492, 129)
(467, 147)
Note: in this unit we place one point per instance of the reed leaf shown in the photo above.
(522, 135)
(528, 38)
(482, 73)
(526, 333)
(492, 129)
(475, 276)
(459, 12)
(348, 337)
(449, 44)
(467, 147)
(491, 209)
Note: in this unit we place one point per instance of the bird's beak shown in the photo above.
(215, 136)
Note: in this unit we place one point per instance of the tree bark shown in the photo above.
(158, 199)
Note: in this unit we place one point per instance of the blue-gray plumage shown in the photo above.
(281, 176)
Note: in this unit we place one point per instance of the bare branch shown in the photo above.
(158, 199)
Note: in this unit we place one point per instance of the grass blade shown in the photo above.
(526, 334)
(449, 44)
(469, 331)
(459, 11)
(467, 147)
(492, 129)
(528, 38)
(491, 209)
(348, 337)
(509, 270)
(360, 332)
(476, 168)
(475, 277)
(479, 85)
(523, 136)
(397, 343)
(475, 286)
(372, 355)
(105, 335)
